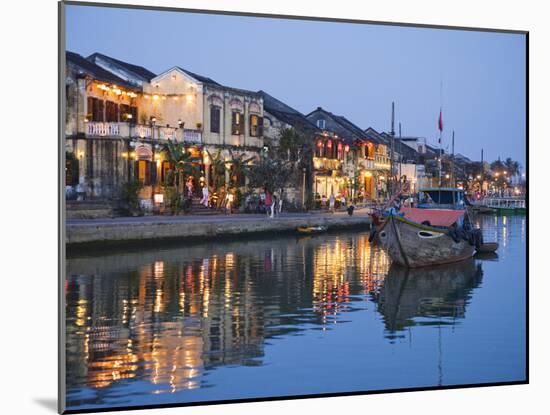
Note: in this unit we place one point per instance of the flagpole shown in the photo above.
(440, 126)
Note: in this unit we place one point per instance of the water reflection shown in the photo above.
(438, 295)
(158, 322)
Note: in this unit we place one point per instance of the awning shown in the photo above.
(436, 217)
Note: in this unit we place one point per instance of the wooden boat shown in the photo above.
(483, 209)
(311, 229)
(423, 237)
(487, 247)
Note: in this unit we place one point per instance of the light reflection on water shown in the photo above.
(142, 326)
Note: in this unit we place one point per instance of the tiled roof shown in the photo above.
(375, 136)
(348, 131)
(91, 69)
(136, 69)
(287, 114)
(200, 78)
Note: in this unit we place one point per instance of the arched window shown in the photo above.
(215, 118)
(256, 125)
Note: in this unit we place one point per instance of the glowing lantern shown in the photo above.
(346, 148)
(339, 146)
(319, 144)
(329, 144)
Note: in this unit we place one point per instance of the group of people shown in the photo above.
(272, 202)
(331, 202)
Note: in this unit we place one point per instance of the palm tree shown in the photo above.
(182, 162)
(217, 164)
(241, 166)
(512, 167)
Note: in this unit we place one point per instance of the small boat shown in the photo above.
(422, 237)
(486, 256)
(483, 209)
(311, 229)
(487, 247)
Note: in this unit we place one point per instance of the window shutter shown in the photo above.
(100, 110)
(241, 124)
(136, 170)
(153, 167)
(215, 119)
(90, 109)
(147, 173)
(260, 126)
(234, 127)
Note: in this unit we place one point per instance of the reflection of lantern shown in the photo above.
(329, 143)
(346, 148)
(319, 143)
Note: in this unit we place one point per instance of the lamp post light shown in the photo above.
(129, 118)
(152, 122)
(181, 125)
(304, 189)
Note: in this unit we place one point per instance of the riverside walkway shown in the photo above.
(128, 230)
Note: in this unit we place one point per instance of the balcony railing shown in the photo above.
(326, 164)
(367, 164)
(125, 130)
(103, 129)
(192, 136)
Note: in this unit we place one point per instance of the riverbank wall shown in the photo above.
(88, 234)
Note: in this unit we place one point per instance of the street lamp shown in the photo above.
(128, 117)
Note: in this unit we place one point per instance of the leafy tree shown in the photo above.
(274, 174)
(289, 154)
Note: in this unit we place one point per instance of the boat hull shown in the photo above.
(413, 245)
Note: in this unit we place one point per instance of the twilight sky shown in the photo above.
(354, 70)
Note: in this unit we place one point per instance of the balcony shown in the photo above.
(367, 164)
(381, 163)
(326, 164)
(139, 131)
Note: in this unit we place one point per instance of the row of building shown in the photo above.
(119, 117)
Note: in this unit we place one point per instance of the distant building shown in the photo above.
(350, 168)
(279, 116)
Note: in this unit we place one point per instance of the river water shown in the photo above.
(285, 316)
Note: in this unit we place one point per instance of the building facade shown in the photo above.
(120, 117)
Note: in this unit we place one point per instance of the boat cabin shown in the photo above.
(442, 198)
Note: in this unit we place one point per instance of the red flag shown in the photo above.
(440, 122)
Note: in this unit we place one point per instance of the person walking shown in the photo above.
(274, 205)
(204, 200)
(229, 199)
(189, 187)
(331, 202)
(268, 203)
